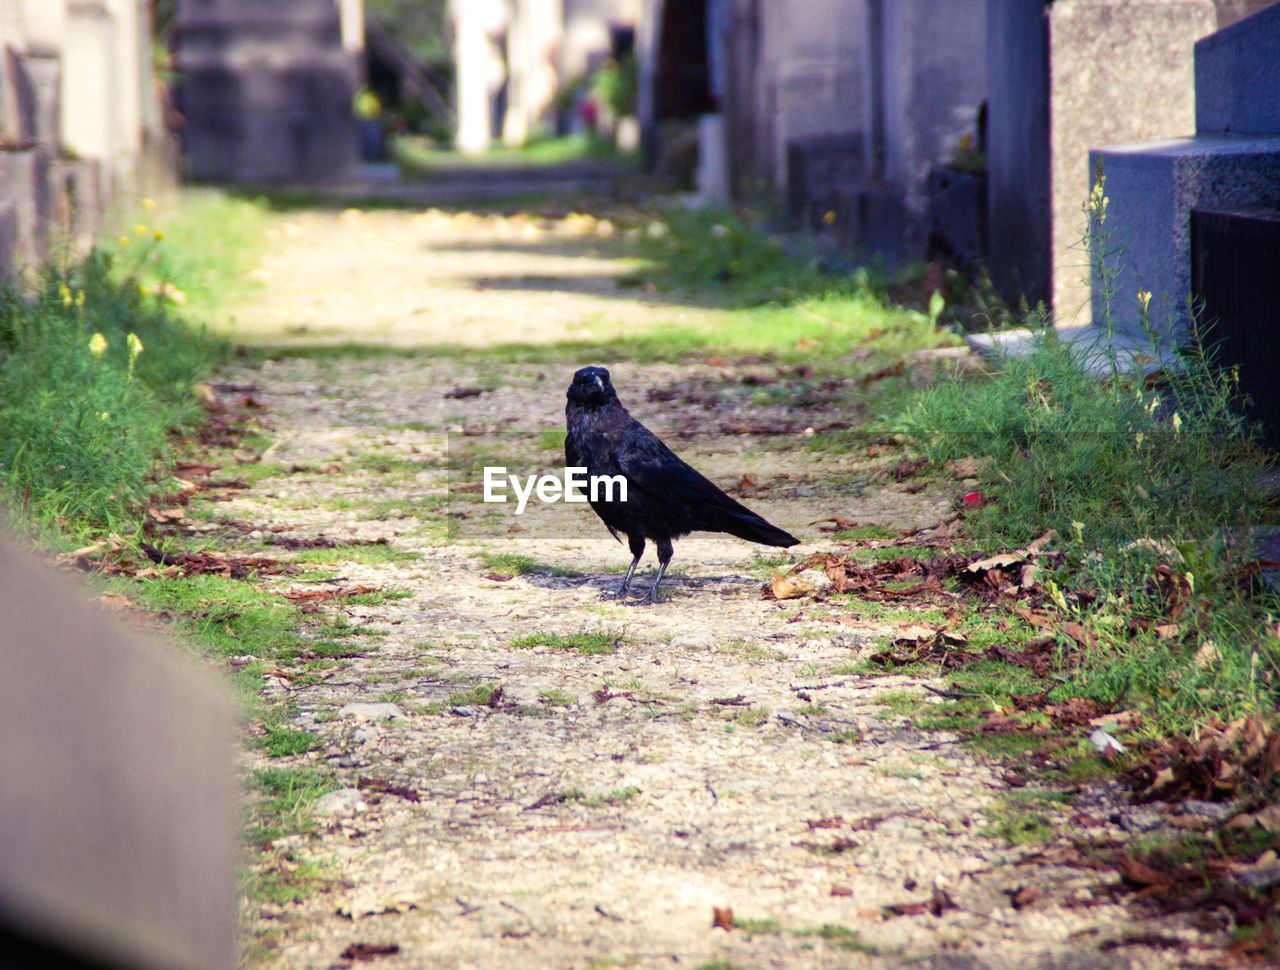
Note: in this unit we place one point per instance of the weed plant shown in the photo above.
(1152, 483)
(95, 371)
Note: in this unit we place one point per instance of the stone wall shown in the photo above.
(808, 79)
(1063, 78)
(1232, 163)
(80, 123)
(1120, 71)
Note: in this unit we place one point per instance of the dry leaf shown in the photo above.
(1208, 655)
(783, 587)
(721, 918)
(1004, 560)
(1143, 874)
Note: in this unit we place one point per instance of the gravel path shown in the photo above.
(652, 766)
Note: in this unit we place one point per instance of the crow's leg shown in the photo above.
(637, 550)
(665, 552)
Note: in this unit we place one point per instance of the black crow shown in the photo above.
(666, 499)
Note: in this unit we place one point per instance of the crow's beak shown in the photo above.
(599, 383)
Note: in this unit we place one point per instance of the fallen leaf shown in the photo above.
(721, 918)
(1142, 874)
(1208, 655)
(370, 951)
(1270, 758)
(784, 587)
(1023, 896)
(1105, 743)
(323, 595)
(937, 904)
(387, 788)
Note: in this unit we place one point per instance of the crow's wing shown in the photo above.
(657, 471)
(654, 469)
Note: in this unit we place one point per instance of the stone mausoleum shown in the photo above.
(266, 89)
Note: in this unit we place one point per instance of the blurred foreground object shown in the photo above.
(117, 790)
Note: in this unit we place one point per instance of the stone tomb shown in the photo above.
(266, 90)
(1060, 80)
(1236, 273)
(24, 179)
(1232, 162)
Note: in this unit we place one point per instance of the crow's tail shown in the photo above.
(745, 524)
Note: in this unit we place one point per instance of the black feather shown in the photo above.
(666, 498)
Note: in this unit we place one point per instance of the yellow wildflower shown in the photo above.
(135, 348)
(140, 230)
(97, 345)
(124, 241)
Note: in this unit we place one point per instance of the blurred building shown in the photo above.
(518, 61)
(955, 130)
(265, 90)
(81, 126)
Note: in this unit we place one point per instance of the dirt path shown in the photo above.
(568, 782)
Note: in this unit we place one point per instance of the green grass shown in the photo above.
(227, 616)
(417, 158)
(557, 698)
(517, 565)
(619, 796)
(282, 742)
(85, 419)
(374, 554)
(212, 240)
(292, 880)
(596, 642)
(901, 701)
(1019, 821)
(841, 937)
(284, 800)
(1133, 480)
(479, 695)
(761, 927)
